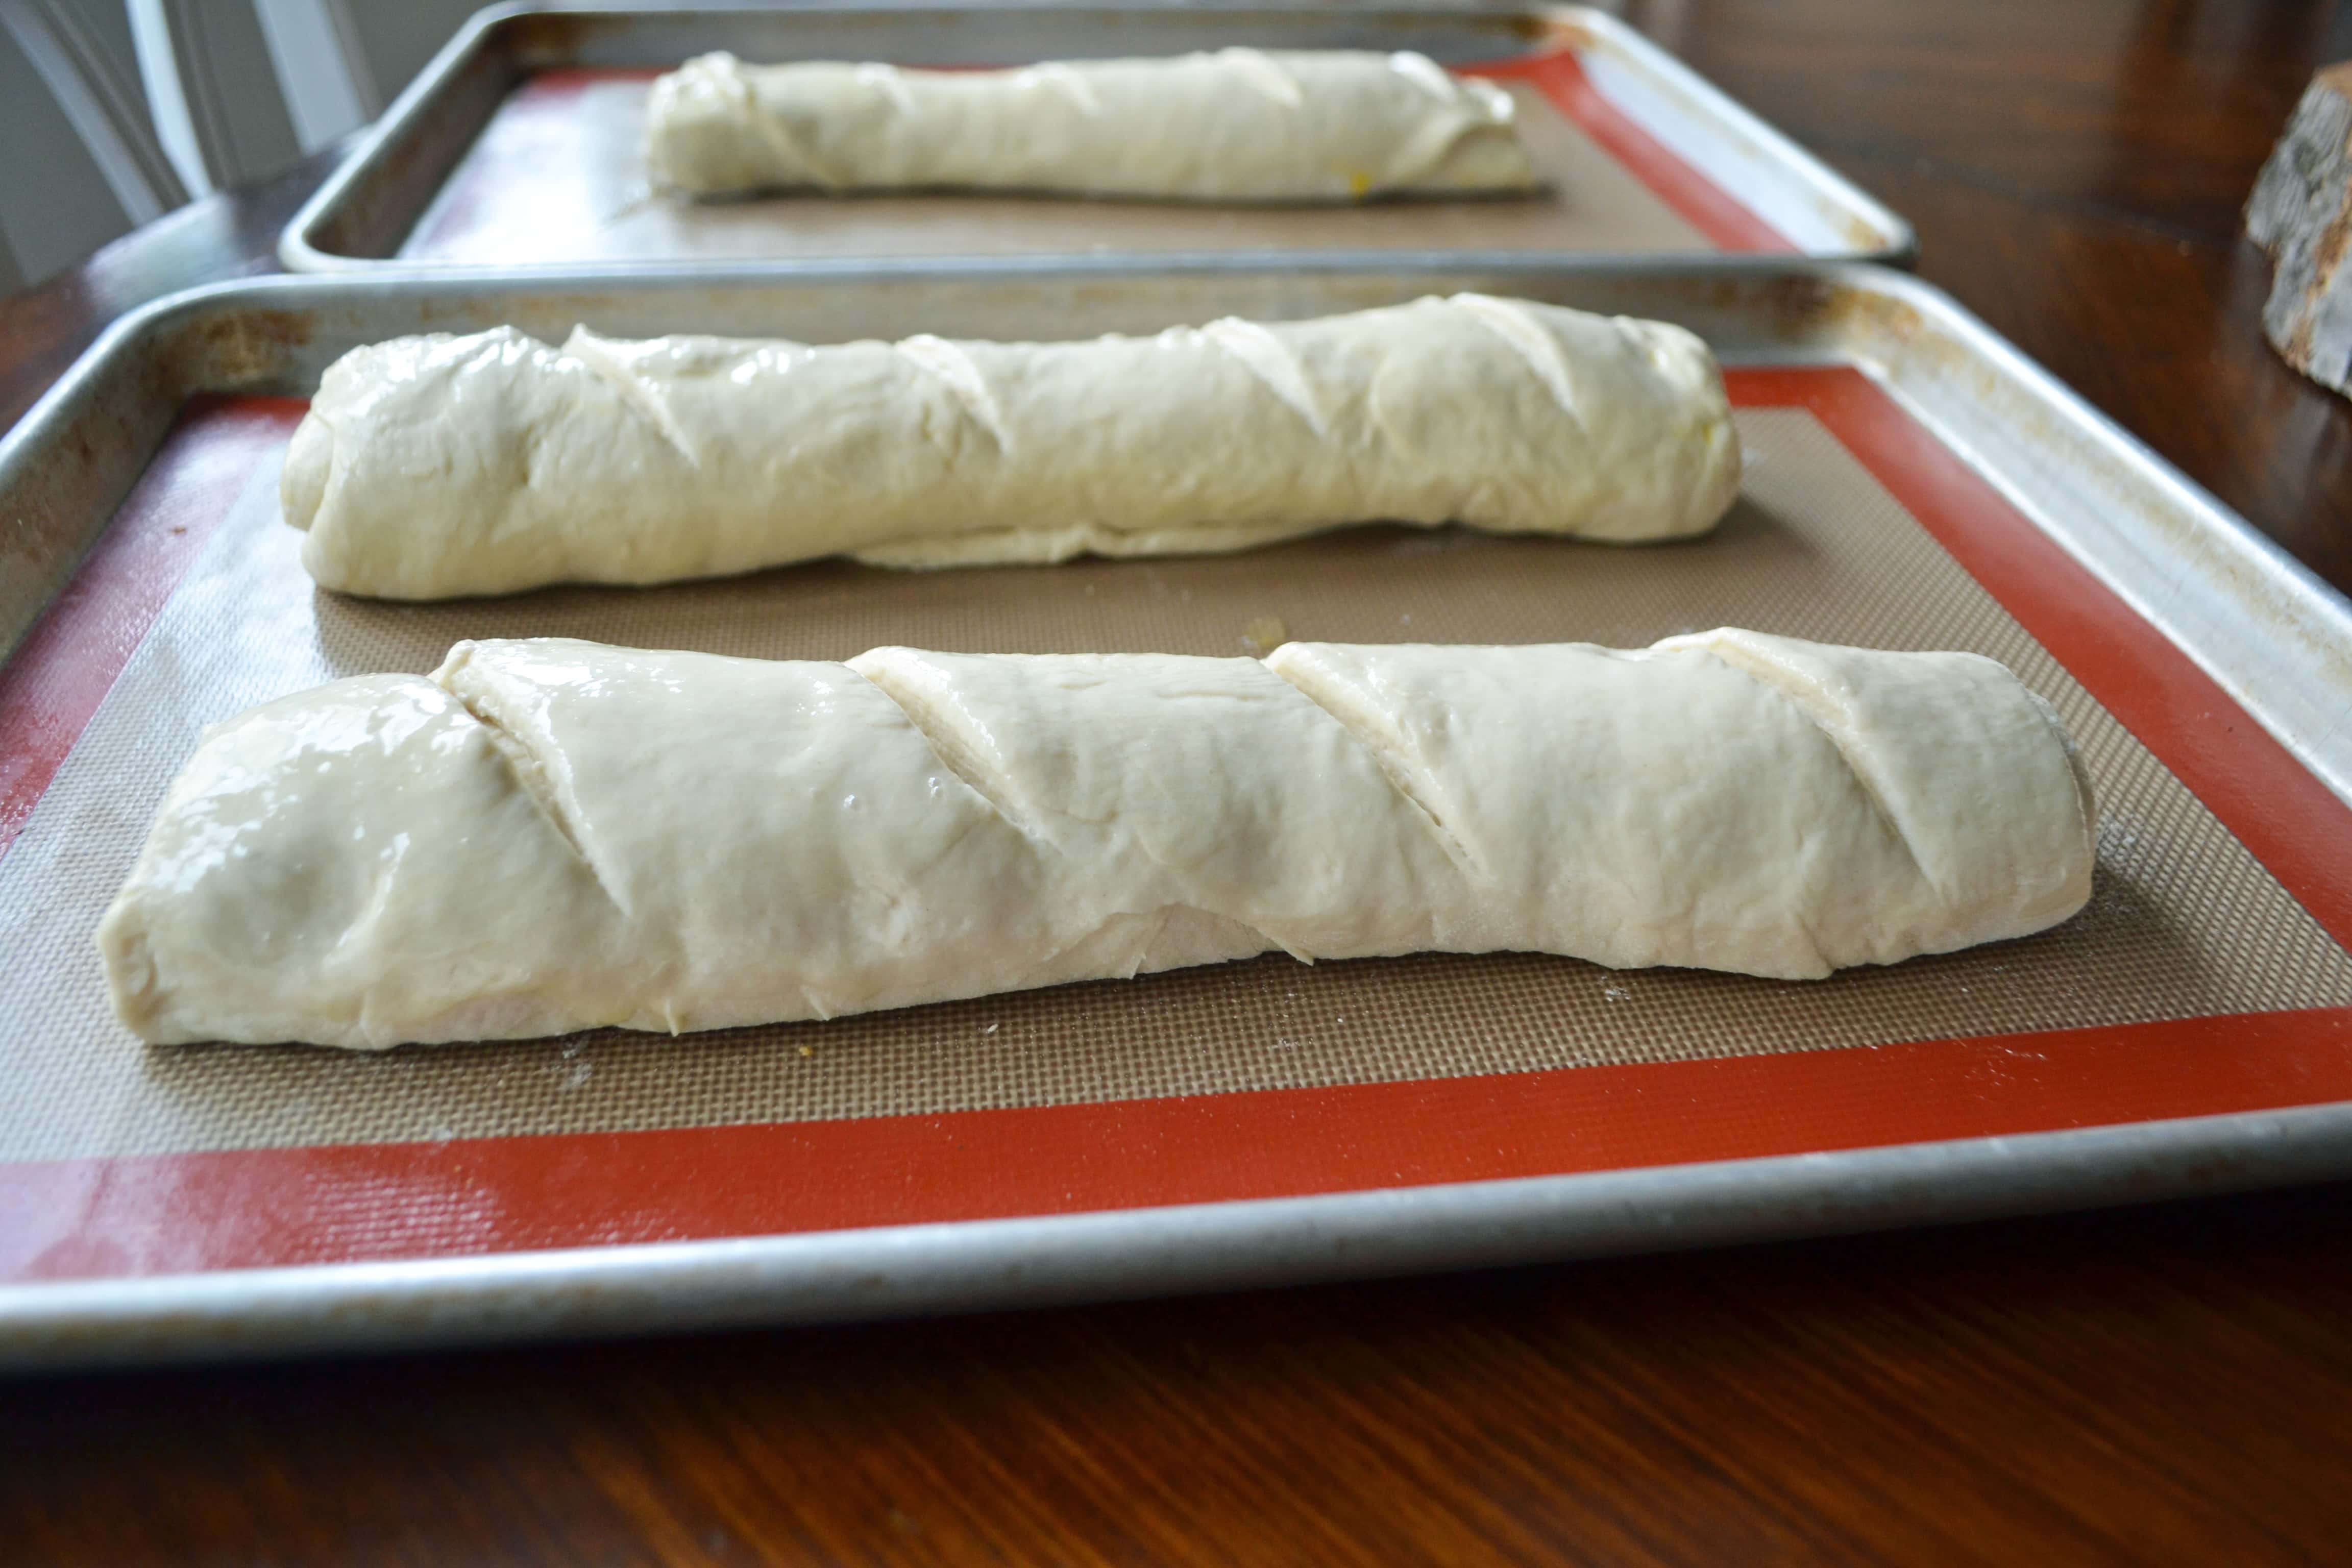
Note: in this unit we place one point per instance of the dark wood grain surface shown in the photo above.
(2169, 1384)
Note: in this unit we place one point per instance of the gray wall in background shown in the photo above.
(55, 206)
(229, 81)
(400, 36)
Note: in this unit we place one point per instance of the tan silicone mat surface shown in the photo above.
(557, 175)
(2184, 920)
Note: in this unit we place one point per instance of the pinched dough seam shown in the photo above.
(635, 395)
(1411, 778)
(529, 771)
(1413, 782)
(993, 788)
(989, 784)
(1784, 683)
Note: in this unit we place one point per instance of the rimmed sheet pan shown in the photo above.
(520, 146)
(1912, 482)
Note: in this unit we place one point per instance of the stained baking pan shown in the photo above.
(1911, 482)
(519, 146)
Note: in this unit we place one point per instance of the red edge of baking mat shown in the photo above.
(54, 680)
(177, 1213)
(1704, 205)
(1557, 75)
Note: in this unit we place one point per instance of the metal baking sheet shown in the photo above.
(520, 146)
(1912, 482)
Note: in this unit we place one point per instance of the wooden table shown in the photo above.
(2171, 1384)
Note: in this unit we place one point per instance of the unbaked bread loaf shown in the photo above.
(550, 835)
(1238, 125)
(440, 466)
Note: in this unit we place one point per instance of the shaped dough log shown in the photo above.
(1235, 125)
(550, 836)
(439, 466)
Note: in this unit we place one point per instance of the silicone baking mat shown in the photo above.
(2208, 975)
(558, 175)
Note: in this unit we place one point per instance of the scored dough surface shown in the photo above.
(444, 466)
(1234, 125)
(549, 835)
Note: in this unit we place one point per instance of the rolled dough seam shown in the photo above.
(439, 466)
(550, 836)
(1235, 125)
